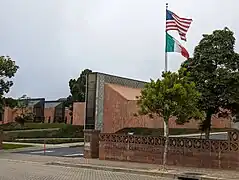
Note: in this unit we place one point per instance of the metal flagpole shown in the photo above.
(165, 64)
(166, 54)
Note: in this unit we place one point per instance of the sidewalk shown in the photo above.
(117, 166)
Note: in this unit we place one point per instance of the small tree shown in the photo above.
(214, 68)
(25, 114)
(173, 96)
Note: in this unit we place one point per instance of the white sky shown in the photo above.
(54, 40)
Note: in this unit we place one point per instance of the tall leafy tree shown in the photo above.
(8, 69)
(77, 89)
(173, 96)
(214, 68)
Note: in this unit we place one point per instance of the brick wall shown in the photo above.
(120, 113)
(49, 114)
(8, 115)
(67, 116)
(182, 151)
(78, 113)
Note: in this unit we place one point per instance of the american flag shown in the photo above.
(174, 22)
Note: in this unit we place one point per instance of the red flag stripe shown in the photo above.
(182, 19)
(181, 25)
(173, 26)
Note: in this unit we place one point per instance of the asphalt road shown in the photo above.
(59, 152)
(34, 171)
(214, 136)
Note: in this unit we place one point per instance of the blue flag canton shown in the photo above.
(169, 15)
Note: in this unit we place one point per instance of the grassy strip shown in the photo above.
(28, 126)
(159, 132)
(65, 132)
(14, 146)
(50, 141)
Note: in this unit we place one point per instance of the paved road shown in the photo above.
(59, 152)
(34, 171)
(217, 136)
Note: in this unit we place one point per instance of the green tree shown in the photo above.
(26, 114)
(8, 69)
(173, 96)
(77, 89)
(10, 102)
(214, 68)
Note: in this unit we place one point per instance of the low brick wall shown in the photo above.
(182, 151)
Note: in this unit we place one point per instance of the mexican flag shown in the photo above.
(172, 45)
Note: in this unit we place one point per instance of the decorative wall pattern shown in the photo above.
(99, 102)
(182, 151)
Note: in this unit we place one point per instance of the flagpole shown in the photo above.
(165, 66)
(166, 54)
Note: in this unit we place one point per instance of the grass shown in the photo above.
(27, 126)
(14, 146)
(50, 141)
(64, 131)
(159, 132)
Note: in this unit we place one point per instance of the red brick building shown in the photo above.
(110, 106)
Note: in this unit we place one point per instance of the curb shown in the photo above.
(172, 175)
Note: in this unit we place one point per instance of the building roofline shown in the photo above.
(54, 101)
(131, 79)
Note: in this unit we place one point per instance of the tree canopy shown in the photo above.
(173, 96)
(214, 69)
(8, 69)
(77, 89)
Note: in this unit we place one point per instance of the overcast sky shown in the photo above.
(54, 40)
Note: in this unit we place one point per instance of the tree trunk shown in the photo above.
(208, 125)
(165, 154)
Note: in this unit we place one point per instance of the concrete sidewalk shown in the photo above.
(128, 167)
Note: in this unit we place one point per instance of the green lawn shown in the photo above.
(50, 141)
(28, 126)
(64, 131)
(14, 146)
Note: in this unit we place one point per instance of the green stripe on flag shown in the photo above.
(170, 43)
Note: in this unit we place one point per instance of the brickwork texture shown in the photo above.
(221, 154)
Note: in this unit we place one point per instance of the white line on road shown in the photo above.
(72, 155)
(41, 152)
